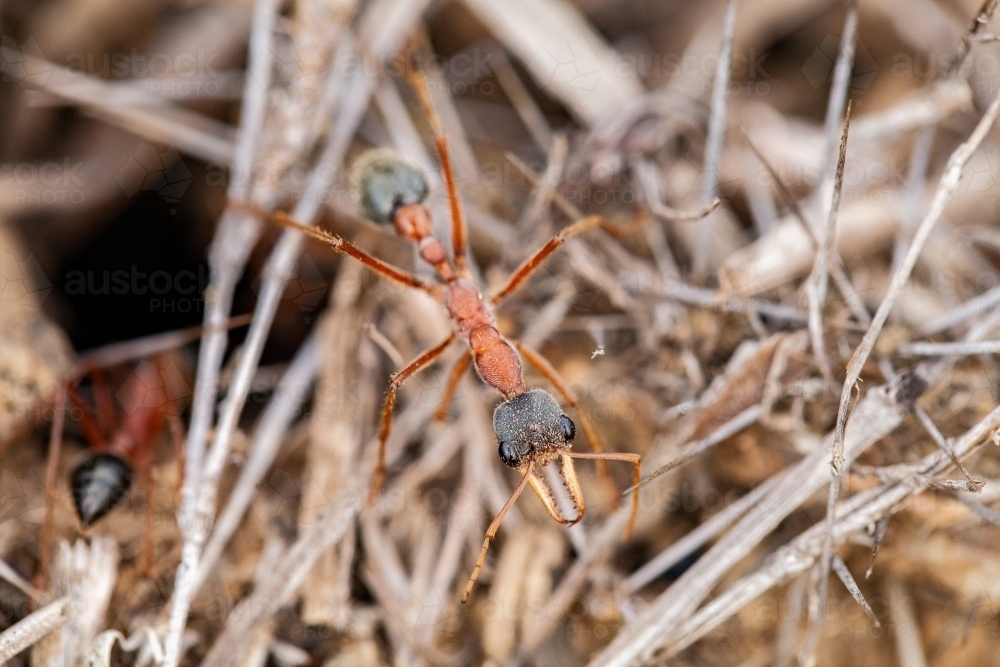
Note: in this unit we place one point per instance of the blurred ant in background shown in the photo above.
(123, 429)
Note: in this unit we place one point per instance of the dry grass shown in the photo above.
(807, 368)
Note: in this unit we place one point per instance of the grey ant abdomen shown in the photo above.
(99, 483)
(385, 183)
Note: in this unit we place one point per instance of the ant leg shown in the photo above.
(103, 402)
(91, 431)
(582, 224)
(492, 530)
(459, 228)
(542, 365)
(51, 470)
(339, 244)
(395, 382)
(636, 461)
(449, 391)
(530, 265)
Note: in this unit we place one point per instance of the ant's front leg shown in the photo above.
(582, 224)
(532, 264)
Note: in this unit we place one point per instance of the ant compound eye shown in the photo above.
(385, 183)
(568, 427)
(508, 454)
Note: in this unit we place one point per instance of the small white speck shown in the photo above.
(597, 352)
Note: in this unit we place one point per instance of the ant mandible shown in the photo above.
(531, 428)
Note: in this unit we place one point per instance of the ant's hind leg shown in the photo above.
(454, 377)
(395, 382)
(542, 365)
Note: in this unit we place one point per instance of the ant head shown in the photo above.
(386, 182)
(99, 483)
(528, 423)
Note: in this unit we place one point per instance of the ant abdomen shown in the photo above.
(386, 182)
(99, 483)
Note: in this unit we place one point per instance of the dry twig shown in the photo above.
(716, 137)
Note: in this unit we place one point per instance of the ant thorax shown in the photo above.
(494, 358)
(466, 306)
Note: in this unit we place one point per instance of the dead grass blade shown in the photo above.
(853, 516)
(29, 630)
(713, 144)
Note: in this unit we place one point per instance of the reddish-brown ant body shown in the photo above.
(123, 447)
(530, 426)
(100, 481)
